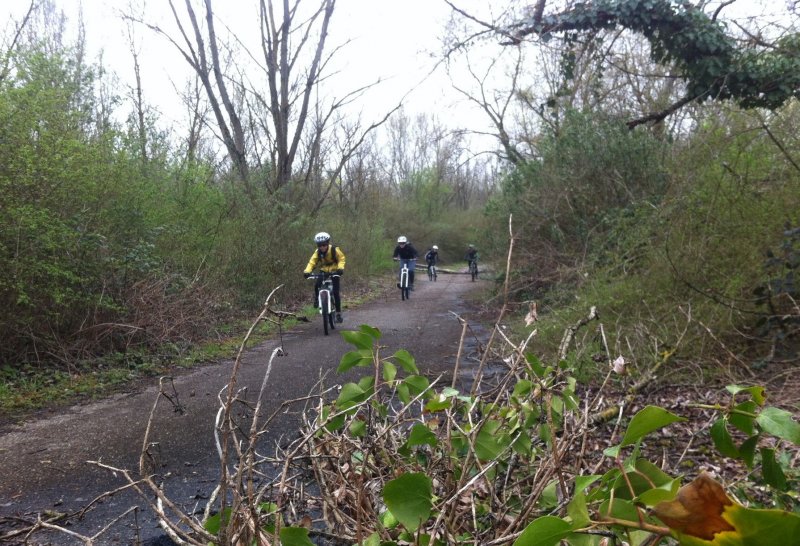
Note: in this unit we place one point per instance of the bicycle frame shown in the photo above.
(325, 299)
(432, 272)
(327, 286)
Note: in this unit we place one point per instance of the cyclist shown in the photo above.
(432, 256)
(329, 259)
(472, 256)
(407, 254)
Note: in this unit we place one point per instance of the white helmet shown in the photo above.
(322, 237)
(435, 247)
(402, 239)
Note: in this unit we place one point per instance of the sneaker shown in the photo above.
(339, 318)
(398, 285)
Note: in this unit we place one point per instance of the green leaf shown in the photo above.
(745, 423)
(213, 523)
(389, 371)
(779, 423)
(421, 435)
(544, 531)
(646, 421)
(408, 497)
(582, 482)
(771, 470)
(295, 536)
(358, 428)
(406, 361)
(522, 388)
(756, 392)
(416, 384)
(403, 393)
(723, 440)
(748, 450)
(535, 364)
(621, 509)
(438, 403)
(374, 333)
(360, 339)
(578, 512)
(350, 395)
(758, 527)
(664, 492)
(354, 358)
(490, 441)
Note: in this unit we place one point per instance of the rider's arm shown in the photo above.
(341, 257)
(396, 252)
(312, 263)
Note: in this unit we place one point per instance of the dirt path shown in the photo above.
(43, 463)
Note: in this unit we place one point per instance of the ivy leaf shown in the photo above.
(723, 440)
(771, 470)
(779, 423)
(409, 499)
(544, 531)
(759, 397)
(421, 435)
(646, 421)
(295, 536)
(490, 442)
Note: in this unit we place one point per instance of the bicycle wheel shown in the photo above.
(430, 272)
(324, 306)
(473, 270)
(434, 273)
(406, 293)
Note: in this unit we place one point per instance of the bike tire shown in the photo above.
(403, 292)
(324, 305)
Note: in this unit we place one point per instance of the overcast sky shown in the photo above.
(390, 39)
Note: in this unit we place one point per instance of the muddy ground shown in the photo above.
(45, 463)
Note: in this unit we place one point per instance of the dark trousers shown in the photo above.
(336, 300)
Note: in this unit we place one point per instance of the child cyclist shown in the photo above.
(329, 259)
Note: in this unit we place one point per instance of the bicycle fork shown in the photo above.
(404, 277)
(321, 301)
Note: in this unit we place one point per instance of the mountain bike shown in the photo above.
(325, 299)
(473, 269)
(405, 293)
(432, 272)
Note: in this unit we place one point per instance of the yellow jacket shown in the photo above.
(326, 262)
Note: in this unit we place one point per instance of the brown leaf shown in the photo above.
(532, 315)
(697, 510)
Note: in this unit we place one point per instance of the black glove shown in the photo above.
(306, 275)
(340, 272)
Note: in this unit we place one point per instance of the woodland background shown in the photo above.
(648, 151)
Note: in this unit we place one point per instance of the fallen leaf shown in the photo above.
(532, 315)
(697, 509)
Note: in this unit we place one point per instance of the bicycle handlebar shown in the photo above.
(322, 274)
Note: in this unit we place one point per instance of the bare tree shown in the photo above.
(11, 44)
